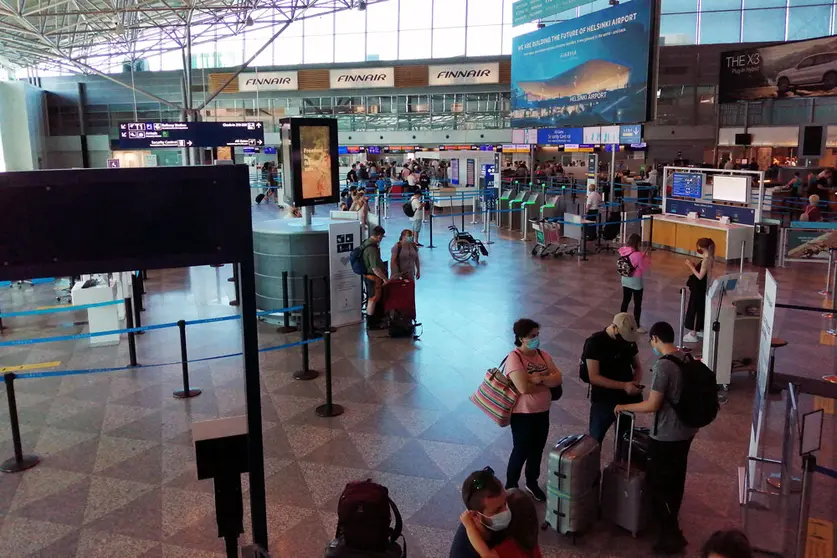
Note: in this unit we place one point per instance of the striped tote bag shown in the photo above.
(496, 396)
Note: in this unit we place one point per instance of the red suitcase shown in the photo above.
(400, 295)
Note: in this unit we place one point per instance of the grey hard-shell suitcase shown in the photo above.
(572, 491)
(624, 496)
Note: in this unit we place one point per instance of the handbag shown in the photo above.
(556, 392)
(496, 396)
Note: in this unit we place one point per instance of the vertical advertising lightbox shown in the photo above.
(310, 146)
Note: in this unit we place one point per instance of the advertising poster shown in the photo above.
(810, 244)
(524, 11)
(470, 172)
(314, 145)
(454, 171)
(798, 69)
(768, 310)
(343, 237)
(590, 70)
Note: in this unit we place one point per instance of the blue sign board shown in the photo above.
(630, 133)
(611, 147)
(559, 136)
(342, 150)
(741, 215)
(145, 135)
(587, 71)
(270, 150)
(373, 149)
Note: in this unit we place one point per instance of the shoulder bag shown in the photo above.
(496, 396)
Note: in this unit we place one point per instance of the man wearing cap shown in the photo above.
(615, 372)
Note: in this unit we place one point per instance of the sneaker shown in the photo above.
(641, 330)
(536, 492)
(700, 334)
(419, 244)
(690, 338)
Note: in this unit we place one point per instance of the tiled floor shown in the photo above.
(118, 476)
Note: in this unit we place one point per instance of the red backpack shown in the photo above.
(364, 514)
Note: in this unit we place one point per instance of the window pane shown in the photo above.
(415, 14)
(230, 50)
(720, 27)
(319, 49)
(507, 38)
(382, 46)
(675, 6)
(749, 4)
(484, 41)
(320, 25)
(450, 13)
(255, 40)
(287, 51)
(382, 16)
(807, 23)
(350, 48)
(720, 5)
(448, 42)
(678, 29)
(350, 21)
(764, 25)
(508, 14)
(484, 12)
(592, 7)
(413, 45)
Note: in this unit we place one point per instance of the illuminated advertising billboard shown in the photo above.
(590, 70)
(798, 69)
(310, 145)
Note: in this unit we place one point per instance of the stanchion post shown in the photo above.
(682, 319)
(524, 222)
(19, 462)
(329, 409)
(286, 316)
(187, 391)
(462, 205)
(826, 291)
(306, 373)
(809, 465)
(140, 292)
(327, 286)
(129, 322)
(136, 306)
(236, 289)
(583, 251)
(431, 227)
(743, 248)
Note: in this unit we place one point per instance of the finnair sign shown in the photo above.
(268, 81)
(364, 78)
(464, 74)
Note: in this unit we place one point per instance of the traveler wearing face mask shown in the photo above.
(404, 263)
(533, 372)
(668, 452)
(487, 515)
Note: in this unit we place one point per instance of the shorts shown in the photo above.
(416, 226)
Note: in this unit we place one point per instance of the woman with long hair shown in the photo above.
(404, 260)
(632, 286)
(697, 283)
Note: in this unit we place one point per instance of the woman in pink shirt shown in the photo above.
(632, 286)
(533, 373)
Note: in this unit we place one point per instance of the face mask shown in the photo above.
(656, 351)
(534, 343)
(498, 522)
(409, 238)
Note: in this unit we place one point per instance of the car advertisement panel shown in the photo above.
(589, 70)
(797, 69)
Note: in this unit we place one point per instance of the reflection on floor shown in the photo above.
(118, 475)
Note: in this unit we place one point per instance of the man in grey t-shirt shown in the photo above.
(670, 439)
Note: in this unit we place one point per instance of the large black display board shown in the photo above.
(148, 135)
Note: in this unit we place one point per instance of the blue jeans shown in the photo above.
(602, 418)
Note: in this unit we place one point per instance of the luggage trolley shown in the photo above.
(548, 239)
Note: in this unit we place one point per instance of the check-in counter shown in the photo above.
(681, 234)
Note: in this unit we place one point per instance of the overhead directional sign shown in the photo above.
(145, 135)
(525, 11)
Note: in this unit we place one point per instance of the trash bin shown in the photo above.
(765, 244)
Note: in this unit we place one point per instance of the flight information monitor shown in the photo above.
(687, 185)
(146, 135)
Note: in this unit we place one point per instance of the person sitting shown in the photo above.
(522, 540)
(727, 544)
(812, 211)
(487, 510)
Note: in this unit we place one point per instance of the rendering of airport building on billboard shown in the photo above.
(589, 70)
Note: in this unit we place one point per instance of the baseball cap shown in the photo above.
(627, 326)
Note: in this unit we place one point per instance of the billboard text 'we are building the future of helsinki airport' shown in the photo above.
(586, 71)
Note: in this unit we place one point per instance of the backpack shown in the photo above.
(583, 373)
(401, 325)
(356, 260)
(408, 208)
(364, 513)
(698, 404)
(624, 266)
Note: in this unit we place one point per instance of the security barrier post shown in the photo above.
(137, 297)
(187, 391)
(129, 322)
(236, 289)
(329, 409)
(286, 316)
(19, 462)
(306, 373)
(431, 228)
(827, 290)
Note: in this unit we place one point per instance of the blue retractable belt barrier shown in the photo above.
(60, 309)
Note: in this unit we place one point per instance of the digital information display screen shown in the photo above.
(148, 135)
(314, 145)
(586, 71)
(687, 185)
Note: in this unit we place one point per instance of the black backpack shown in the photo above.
(408, 208)
(583, 373)
(698, 404)
(624, 266)
(356, 260)
(364, 514)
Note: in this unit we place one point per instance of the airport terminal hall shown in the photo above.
(418, 278)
